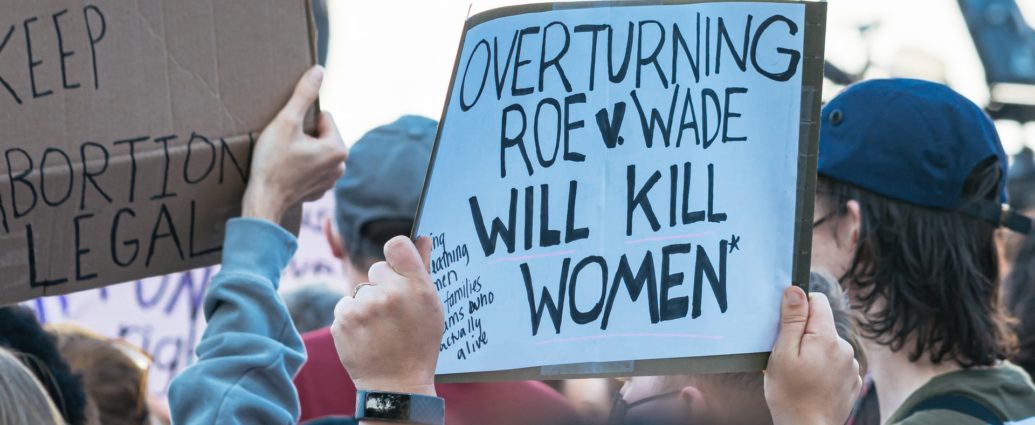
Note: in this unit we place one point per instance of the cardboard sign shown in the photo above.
(163, 315)
(623, 189)
(128, 128)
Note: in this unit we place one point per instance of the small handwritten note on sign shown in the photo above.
(127, 129)
(625, 183)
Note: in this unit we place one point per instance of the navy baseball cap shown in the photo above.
(913, 141)
(383, 180)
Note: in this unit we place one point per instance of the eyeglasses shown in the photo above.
(620, 409)
(829, 215)
(822, 220)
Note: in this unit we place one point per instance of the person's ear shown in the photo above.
(853, 221)
(694, 401)
(333, 239)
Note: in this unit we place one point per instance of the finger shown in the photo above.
(327, 128)
(794, 315)
(424, 247)
(821, 317)
(332, 139)
(402, 256)
(344, 304)
(328, 131)
(306, 92)
(329, 177)
(380, 272)
(329, 141)
(337, 154)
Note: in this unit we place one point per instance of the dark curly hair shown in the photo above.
(22, 334)
(926, 277)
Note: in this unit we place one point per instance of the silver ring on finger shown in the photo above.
(361, 286)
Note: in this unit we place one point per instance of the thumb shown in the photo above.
(424, 247)
(306, 92)
(794, 315)
(327, 129)
(821, 316)
(403, 257)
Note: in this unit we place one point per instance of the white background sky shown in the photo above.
(393, 57)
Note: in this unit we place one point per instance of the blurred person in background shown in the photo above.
(1021, 182)
(719, 399)
(1020, 300)
(375, 200)
(23, 401)
(592, 398)
(912, 178)
(1021, 187)
(113, 372)
(22, 334)
(820, 281)
(311, 307)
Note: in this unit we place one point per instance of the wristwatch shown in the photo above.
(400, 407)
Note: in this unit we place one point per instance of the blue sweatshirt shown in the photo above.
(250, 351)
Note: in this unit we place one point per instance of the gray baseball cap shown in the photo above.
(383, 179)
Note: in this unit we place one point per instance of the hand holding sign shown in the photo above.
(289, 167)
(813, 375)
(388, 334)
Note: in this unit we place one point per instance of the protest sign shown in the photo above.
(313, 262)
(128, 128)
(163, 314)
(623, 188)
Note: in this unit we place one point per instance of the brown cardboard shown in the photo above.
(141, 115)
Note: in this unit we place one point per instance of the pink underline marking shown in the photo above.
(629, 335)
(532, 257)
(666, 238)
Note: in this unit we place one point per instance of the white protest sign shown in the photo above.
(162, 315)
(621, 183)
(313, 262)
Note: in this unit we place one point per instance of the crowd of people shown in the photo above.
(921, 308)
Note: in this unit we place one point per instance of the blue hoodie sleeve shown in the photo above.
(250, 350)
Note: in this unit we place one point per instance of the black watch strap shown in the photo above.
(400, 407)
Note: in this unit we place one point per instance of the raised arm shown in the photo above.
(251, 350)
(388, 334)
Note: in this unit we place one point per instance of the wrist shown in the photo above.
(397, 387)
(421, 387)
(799, 420)
(262, 203)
